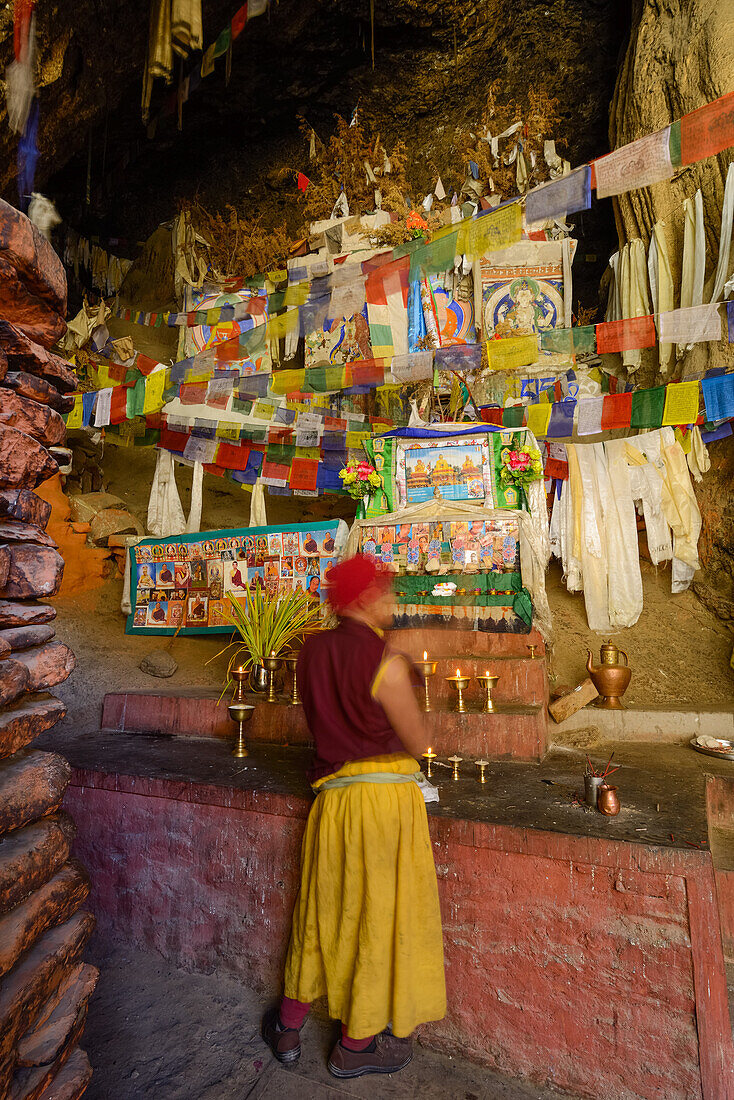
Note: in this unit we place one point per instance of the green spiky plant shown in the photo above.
(268, 625)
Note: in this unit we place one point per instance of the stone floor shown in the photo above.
(156, 1031)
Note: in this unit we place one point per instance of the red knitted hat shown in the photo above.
(349, 579)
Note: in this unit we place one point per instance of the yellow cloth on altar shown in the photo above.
(367, 925)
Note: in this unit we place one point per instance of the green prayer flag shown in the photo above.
(136, 399)
(674, 144)
(281, 452)
(315, 380)
(647, 408)
(223, 43)
(512, 416)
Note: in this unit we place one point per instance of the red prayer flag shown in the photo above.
(491, 416)
(555, 468)
(192, 393)
(238, 22)
(303, 182)
(230, 456)
(626, 335)
(118, 405)
(304, 472)
(708, 130)
(368, 372)
(278, 471)
(616, 411)
(173, 441)
(145, 364)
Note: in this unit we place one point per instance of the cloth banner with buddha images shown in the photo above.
(183, 584)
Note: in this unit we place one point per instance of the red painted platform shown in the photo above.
(578, 954)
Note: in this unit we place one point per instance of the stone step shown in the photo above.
(513, 730)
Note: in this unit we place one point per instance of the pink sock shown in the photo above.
(292, 1013)
(357, 1045)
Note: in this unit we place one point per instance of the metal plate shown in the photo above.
(723, 754)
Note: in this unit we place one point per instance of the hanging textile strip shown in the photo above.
(629, 333)
(693, 325)
(638, 164)
(708, 130)
(718, 396)
(563, 196)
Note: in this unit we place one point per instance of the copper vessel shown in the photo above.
(607, 802)
(610, 678)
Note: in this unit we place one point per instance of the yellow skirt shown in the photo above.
(366, 925)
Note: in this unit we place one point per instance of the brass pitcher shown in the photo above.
(610, 678)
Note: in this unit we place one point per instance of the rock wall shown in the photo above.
(44, 985)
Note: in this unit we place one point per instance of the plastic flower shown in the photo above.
(360, 479)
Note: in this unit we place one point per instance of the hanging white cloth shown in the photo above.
(614, 303)
(258, 516)
(646, 474)
(624, 579)
(698, 456)
(635, 301)
(661, 286)
(165, 513)
(682, 513)
(694, 258)
(727, 216)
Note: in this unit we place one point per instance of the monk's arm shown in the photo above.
(397, 698)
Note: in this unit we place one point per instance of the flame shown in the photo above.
(458, 674)
(425, 654)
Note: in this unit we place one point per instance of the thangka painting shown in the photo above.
(339, 342)
(518, 301)
(182, 584)
(449, 320)
(256, 357)
(454, 468)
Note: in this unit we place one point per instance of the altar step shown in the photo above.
(516, 731)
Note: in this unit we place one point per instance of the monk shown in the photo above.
(366, 929)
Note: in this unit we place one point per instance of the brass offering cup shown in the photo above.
(489, 686)
(460, 684)
(532, 649)
(482, 765)
(272, 664)
(240, 676)
(429, 756)
(426, 669)
(240, 713)
(291, 662)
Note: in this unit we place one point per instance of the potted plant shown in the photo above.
(268, 626)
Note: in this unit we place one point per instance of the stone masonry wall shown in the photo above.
(44, 985)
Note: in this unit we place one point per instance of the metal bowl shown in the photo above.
(726, 752)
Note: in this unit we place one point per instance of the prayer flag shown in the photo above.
(708, 130)
(681, 403)
(304, 473)
(238, 21)
(616, 411)
(718, 397)
(692, 325)
(202, 450)
(730, 321)
(638, 164)
(561, 419)
(625, 335)
(302, 182)
(102, 408)
(513, 416)
(538, 418)
(580, 340)
(74, 418)
(154, 386)
(287, 381)
(721, 432)
(647, 408)
(589, 416)
(560, 197)
(492, 231)
(512, 352)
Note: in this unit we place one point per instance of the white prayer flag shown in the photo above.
(200, 450)
(413, 367)
(588, 413)
(692, 325)
(102, 408)
(439, 190)
(635, 165)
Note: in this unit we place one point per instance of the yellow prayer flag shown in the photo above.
(74, 419)
(354, 440)
(681, 403)
(491, 232)
(282, 323)
(296, 294)
(228, 431)
(512, 352)
(684, 438)
(262, 410)
(538, 419)
(154, 386)
(308, 452)
(287, 381)
(278, 276)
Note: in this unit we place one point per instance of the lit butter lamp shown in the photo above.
(460, 684)
(272, 664)
(240, 711)
(489, 685)
(429, 756)
(426, 668)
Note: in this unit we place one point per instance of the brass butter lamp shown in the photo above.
(427, 669)
(272, 664)
(239, 711)
(291, 663)
(490, 683)
(459, 683)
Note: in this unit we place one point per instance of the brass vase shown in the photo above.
(610, 678)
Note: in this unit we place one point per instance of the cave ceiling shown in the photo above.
(311, 58)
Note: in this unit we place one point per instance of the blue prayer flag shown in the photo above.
(562, 196)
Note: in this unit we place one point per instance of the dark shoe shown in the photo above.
(286, 1043)
(387, 1055)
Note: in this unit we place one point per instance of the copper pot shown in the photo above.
(610, 680)
(607, 802)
